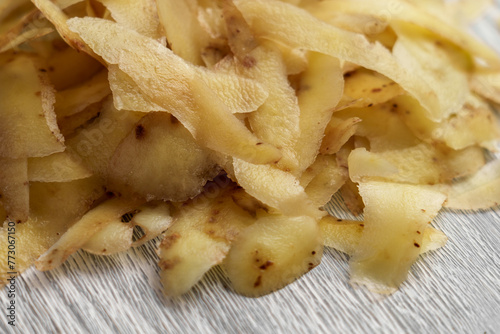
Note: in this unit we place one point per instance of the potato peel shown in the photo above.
(285, 23)
(479, 191)
(82, 231)
(176, 88)
(393, 232)
(345, 235)
(225, 126)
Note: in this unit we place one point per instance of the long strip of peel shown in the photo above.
(83, 230)
(176, 87)
(296, 27)
(404, 11)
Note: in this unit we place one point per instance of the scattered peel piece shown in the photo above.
(326, 178)
(366, 88)
(392, 236)
(239, 94)
(274, 187)
(141, 16)
(118, 235)
(321, 89)
(57, 167)
(176, 87)
(200, 238)
(262, 260)
(82, 231)
(295, 27)
(26, 94)
(345, 235)
(48, 218)
(479, 191)
(411, 13)
(142, 163)
(14, 188)
(75, 99)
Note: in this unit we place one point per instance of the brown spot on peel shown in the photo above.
(140, 132)
(168, 264)
(258, 281)
(266, 265)
(169, 240)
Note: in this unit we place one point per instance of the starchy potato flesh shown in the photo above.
(25, 94)
(113, 238)
(393, 232)
(420, 164)
(328, 178)
(487, 85)
(364, 88)
(83, 230)
(274, 187)
(473, 124)
(225, 126)
(66, 67)
(139, 15)
(117, 236)
(94, 144)
(48, 219)
(363, 164)
(75, 99)
(272, 252)
(349, 190)
(57, 167)
(153, 219)
(478, 191)
(176, 87)
(142, 164)
(321, 88)
(380, 124)
(337, 133)
(344, 235)
(178, 16)
(295, 59)
(419, 52)
(70, 125)
(14, 188)
(200, 237)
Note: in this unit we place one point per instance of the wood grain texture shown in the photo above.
(453, 290)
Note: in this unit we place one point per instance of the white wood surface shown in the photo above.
(453, 290)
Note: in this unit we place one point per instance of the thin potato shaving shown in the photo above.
(344, 235)
(393, 233)
(175, 87)
(295, 27)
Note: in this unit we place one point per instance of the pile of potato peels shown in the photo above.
(224, 127)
